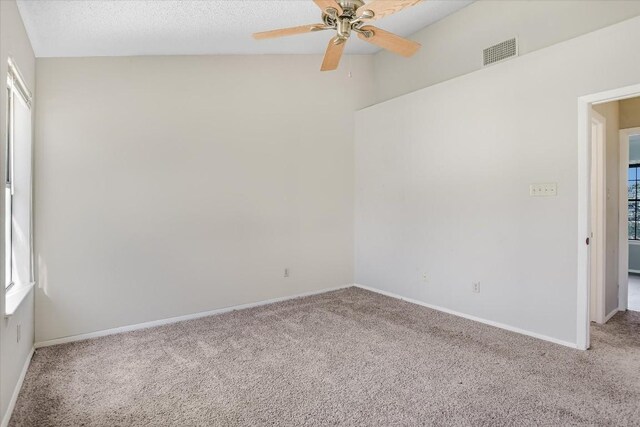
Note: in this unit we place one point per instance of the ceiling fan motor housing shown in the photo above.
(350, 4)
(348, 20)
(344, 28)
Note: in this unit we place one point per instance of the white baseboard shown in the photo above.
(474, 318)
(610, 315)
(16, 391)
(170, 320)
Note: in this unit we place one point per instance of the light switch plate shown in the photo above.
(548, 189)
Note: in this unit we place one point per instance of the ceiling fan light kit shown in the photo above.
(347, 16)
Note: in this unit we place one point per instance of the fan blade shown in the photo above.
(333, 54)
(326, 4)
(289, 31)
(390, 41)
(382, 8)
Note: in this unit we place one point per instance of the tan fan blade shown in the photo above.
(382, 8)
(333, 54)
(390, 41)
(326, 4)
(289, 31)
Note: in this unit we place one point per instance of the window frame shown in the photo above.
(636, 202)
(8, 188)
(15, 85)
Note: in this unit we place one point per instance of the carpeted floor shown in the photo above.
(349, 357)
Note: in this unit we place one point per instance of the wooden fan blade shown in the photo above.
(390, 41)
(382, 8)
(333, 54)
(325, 4)
(289, 31)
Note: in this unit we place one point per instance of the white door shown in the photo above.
(597, 219)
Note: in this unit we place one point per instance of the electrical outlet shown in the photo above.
(286, 272)
(476, 287)
(18, 332)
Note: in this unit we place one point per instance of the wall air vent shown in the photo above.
(501, 51)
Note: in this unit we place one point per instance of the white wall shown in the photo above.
(13, 354)
(443, 175)
(173, 185)
(453, 46)
(610, 111)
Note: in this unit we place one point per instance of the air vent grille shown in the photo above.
(500, 52)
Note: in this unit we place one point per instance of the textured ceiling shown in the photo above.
(125, 28)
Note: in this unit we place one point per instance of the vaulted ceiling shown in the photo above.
(61, 28)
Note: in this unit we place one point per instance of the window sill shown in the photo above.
(634, 242)
(14, 297)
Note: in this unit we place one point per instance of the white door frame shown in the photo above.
(598, 216)
(584, 207)
(623, 249)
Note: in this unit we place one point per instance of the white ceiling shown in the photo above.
(59, 28)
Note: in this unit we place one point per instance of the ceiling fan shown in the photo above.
(347, 16)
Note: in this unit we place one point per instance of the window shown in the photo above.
(17, 192)
(633, 189)
(8, 199)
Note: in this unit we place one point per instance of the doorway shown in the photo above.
(603, 223)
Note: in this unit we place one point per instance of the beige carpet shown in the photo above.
(349, 357)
